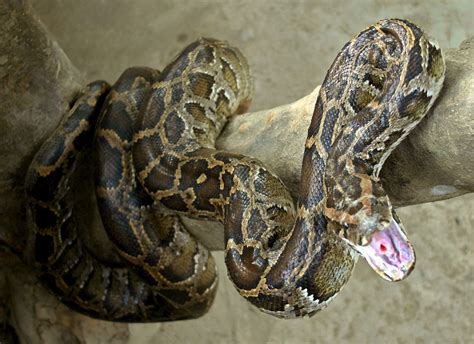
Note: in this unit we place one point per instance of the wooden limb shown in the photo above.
(435, 162)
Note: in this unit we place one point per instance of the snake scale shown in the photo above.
(153, 136)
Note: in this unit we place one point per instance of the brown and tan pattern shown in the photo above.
(156, 245)
(155, 151)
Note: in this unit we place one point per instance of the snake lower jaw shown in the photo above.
(389, 253)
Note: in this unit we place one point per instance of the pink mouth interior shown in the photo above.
(389, 253)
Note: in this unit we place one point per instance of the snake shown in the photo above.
(151, 137)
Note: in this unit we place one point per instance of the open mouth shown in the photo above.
(389, 253)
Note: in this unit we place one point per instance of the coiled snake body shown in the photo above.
(154, 147)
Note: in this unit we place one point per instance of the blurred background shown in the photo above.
(289, 45)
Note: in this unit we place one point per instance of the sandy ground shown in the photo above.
(289, 47)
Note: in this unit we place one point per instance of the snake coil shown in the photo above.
(154, 136)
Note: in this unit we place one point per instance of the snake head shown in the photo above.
(365, 219)
(388, 251)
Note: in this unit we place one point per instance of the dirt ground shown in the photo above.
(290, 45)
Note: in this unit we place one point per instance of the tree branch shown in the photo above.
(435, 162)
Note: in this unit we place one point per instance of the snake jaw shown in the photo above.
(389, 253)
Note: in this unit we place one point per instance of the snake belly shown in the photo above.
(155, 145)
